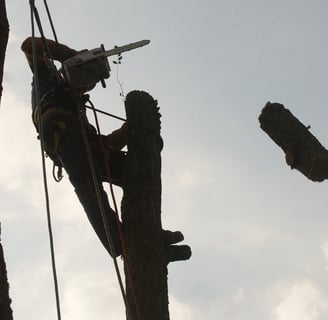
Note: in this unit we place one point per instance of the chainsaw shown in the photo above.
(88, 67)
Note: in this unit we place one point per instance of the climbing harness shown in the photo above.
(81, 72)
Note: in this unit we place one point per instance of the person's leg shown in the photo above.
(72, 154)
(113, 170)
(85, 191)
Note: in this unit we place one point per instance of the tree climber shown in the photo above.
(63, 136)
(64, 142)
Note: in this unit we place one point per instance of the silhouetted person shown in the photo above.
(63, 136)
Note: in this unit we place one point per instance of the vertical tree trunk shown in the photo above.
(145, 265)
(4, 32)
(5, 310)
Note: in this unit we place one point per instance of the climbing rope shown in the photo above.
(92, 107)
(83, 122)
(44, 171)
(50, 21)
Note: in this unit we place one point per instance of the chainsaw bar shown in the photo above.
(127, 47)
(88, 67)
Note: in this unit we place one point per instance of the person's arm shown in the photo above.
(57, 51)
(118, 138)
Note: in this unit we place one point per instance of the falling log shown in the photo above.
(303, 151)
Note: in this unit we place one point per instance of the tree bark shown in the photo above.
(302, 150)
(4, 33)
(5, 310)
(145, 263)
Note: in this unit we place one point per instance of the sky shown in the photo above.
(258, 230)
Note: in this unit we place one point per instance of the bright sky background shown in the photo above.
(258, 230)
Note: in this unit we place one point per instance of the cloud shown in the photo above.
(182, 311)
(32, 287)
(324, 248)
(302, 301)
(13, 38)
(20, 174)
(18, 142)
(220, 308)
(81, 298)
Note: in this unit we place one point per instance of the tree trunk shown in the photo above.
(303, 151)
(145, 263)
(5, 310)
(4, 32)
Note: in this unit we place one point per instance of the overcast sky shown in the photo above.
(258, 230)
